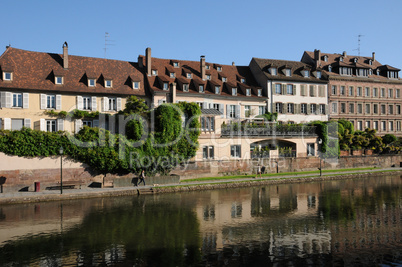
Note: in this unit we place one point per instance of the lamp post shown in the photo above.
(319, 155)
(61, 169)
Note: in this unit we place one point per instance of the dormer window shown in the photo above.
(136, 85)
(208, 76)
(325, 58)
(392, 74)
(318, 74)
(370, 72)
(259, 92)
(234, 91)
(165, 86)
(176, 64)
(370, 62)
(108, 83)
(188, 75)
(248, 92)
(341, 59)
(287, 72)
(330, 68)
(355, 60)
(217, 90)
(274, 71)
(306, 73)
(172, 75)
(58, 80)
(185, 87)
(201, 88)
(219, 68)
(207, 67)
(378, 72)
(154, 72)
(7, 76)
(345, 71)
(362, 72)
(242, 80)
(91, 82)
(224, 79)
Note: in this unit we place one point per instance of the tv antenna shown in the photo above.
(107, 42)
(358, 44)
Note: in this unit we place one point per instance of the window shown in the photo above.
(392, 74)
(375, 125)
(185, 87)
(50, 101)
(278, 88)
(306, 73)
(7, 76)
(326, 58)
(287, 72)
(219, 68)
(201, 88)
(232, 111)
(274, 71)
(367, 91)
(350, 92)
(247, 111)
(351, 108)
(278, 108)
(398, 126)
(330, 68)
(303, 108)
(248, 92)
(165, 86)
(91, 82)
(390, 109)
(224, 79)
(367, 108)
(261, 110)
(108, 83)
(17, 100)
(383, 126)
(172, 75)
(398, 109)
(343, 90)
(208, 152)
(208, 76)
(112, 104)
(154, 72)
(136, 85)
(208, 124)
(259, 91)
(207, 67)
(289, 89)
(322, 108)
(51, 125)
(375, 108)
(217, 90)
(312, 90)
(86, 103)
(359, 108)
(310, 149)
(333, 90)
(234, 91)
(390, 126)
(383, 109)
(313, 108)
(360, 125)
(334, 108)
(235, 151)
(359, 91)
(291, 108)
(390, 93)
(87, 123)
(362, 72)
(59, 80)
(345, 71)
(382, 92)
(375, 92)
(242, 80)
(318, 74)
(343, 107)
(368, 125)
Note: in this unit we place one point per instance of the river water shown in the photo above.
(355, 222)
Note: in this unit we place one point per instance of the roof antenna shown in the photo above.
(107, 42)
(358, 44)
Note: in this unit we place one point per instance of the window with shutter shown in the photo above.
(25, 101)
(58, 102)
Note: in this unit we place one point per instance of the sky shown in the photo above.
(225, 31)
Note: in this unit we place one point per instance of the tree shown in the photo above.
(388, 139)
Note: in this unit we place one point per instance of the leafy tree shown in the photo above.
(389, 138)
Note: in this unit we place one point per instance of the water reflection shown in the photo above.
(348, 222)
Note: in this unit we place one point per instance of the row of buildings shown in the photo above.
(320, 86)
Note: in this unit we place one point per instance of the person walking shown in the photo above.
(142, 177)
(258, 171)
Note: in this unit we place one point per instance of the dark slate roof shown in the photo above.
(210, 112)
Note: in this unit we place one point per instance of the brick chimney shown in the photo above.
(202, 67)
(173, 92)
(344, 54)
(373, 56)
(148, 60)
(140, 61)
(65, 55)
(317, 57)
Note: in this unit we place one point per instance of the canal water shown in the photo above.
(355, 222)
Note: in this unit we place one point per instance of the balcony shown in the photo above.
(248, 130)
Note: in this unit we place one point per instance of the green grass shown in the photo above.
(272, 174)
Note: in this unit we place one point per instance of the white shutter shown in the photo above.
(160, 102)
(227, 111)
(25, 100)
(237, 111)
(205, 105)
(42, 101)
(78, 125)
(105, 102)
(42, 125)
(80, 104)
(118, 101)
(60, 125)
(94, 106)
(95, 123)
(58, 102)
(8, 100)
(7, 124)
(2, 99)
(27, 123)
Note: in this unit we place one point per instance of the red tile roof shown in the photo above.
(36, 71)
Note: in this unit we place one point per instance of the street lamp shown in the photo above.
(61, 169)
(319, 155)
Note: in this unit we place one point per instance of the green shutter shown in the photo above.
(294, 89)
(283, 89)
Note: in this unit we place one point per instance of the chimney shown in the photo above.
(173, 92)
(317, 57)
(65, 55)
(148, 60)
(233, 64)
(373, 56)
(140, 61)
(202, 67)
(344, 54)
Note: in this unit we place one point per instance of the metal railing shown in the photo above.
(279, 130)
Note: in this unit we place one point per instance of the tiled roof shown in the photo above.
(36, 71)
(295, 66)
(228, 71)
(210, 112)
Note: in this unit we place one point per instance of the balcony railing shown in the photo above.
(270, 130)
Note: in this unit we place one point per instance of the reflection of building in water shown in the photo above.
(252, 217)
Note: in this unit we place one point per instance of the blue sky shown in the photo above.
(222, 30)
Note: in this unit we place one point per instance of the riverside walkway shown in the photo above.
(200, 184)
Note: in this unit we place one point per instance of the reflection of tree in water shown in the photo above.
(158, 234)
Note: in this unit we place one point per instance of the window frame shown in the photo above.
(235, 151)
(50, 101)
(107, 85)
(5, 74)
(58, 80)
(90, 80)
(17, 100)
